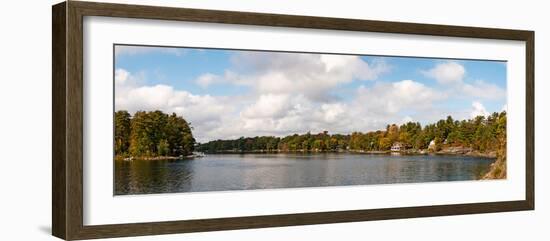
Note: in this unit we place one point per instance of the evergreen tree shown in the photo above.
(122, 132)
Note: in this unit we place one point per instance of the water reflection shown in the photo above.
(260, 171)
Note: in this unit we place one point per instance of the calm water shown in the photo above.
(258, 171)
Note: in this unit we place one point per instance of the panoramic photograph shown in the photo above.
(203, 120)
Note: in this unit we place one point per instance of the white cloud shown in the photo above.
(271, 106)
(478, 110)
(333, 112)
(368, 109)
(353, 66)
(393, 97)
(481, 89)
(203, 111)
(447, 73)
(207, 79)
(163, 97)
(313, 75)
(451, 75)
(121, 76)
(406, 120)
(125, 80)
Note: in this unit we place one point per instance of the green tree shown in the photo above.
(163, 148)
(141, 143)
(385, 143)
(155, 133)
(122, 132)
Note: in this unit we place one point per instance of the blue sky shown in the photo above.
(232, 93)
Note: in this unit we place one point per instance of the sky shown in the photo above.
(226, 94)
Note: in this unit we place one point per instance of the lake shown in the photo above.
(222, 172)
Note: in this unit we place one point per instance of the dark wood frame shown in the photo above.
(67, 123)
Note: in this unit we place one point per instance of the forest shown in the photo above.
(156, 134)
(481, 134)
(152, 134)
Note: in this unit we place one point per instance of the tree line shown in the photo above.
(483, 134)
(152, 134)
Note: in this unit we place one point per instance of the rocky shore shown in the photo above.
(444, 151)
(159, 158)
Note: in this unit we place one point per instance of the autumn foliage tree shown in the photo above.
(480, 133)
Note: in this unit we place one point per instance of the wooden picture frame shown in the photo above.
(67, 123)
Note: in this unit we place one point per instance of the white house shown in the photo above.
(396, 147)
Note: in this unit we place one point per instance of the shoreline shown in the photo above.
(406, 152)
(451, 152)
(156, 158)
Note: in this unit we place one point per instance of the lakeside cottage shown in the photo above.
(397, 147)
